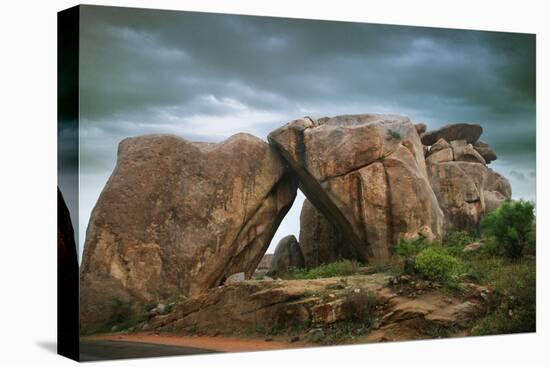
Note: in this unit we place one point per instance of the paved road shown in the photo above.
(100, 350)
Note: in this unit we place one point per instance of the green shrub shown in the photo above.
(339, 268)
(409, 248)
(393, 135)
(509, 228)
(434, 263)
(515, 299)
(459, 238)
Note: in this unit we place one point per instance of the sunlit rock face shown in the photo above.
(457, 167)
(367, 175)
(178, 217)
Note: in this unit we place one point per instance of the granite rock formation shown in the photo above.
(179, 217)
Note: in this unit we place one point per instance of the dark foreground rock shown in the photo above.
(287, 255)
(321, 242)
(178, 217)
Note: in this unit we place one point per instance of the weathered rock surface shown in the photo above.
(366, 174)
(178, 217)
(287, 254)
(420, 128)
(286, 305)
(461, 131)
(462, 151)
(467, 190)
(320, 242)
(485, 151)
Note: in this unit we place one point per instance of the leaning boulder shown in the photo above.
(366, 174)
(287, 255)
(321, 242)
(178, 217)
(461, 131)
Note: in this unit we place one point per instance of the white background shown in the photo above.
(28, 182)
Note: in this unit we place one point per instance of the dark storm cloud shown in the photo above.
(207, 76)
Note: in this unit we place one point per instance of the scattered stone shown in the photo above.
(473, 247)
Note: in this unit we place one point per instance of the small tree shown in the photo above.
(511, 227)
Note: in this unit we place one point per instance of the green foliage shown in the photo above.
(393, 135)
(339, 268)
(434, 263)
(363, 306)
(509, 228)
(515, 299)
(459, 238)
(409, 248)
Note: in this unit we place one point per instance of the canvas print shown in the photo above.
(233, 183)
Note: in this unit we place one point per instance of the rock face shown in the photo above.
(465, 187)
(178, 217)
(320, 242)
(366, 174)
(287, 254)
(462, 131)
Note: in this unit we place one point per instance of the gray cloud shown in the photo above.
(208, 76)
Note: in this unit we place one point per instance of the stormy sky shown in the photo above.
(206, 77)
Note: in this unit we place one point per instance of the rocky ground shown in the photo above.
(339, 310)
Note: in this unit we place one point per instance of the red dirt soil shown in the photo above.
(216, 343)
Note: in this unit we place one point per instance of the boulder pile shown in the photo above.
(178, 217)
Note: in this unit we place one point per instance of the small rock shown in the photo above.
(332, 296)
(114, 328)
(294, 339)
(161, 307)
(448, 300)
(268, 339)
(356, 290)
(235, 278)
(510, 313)
(473, 247)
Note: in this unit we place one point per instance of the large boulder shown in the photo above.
(321, 242)
(466, 191)
(287, 255)
(485, 151)
(179, 217)
(461, 131)
(366, 174)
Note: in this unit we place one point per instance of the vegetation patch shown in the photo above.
(338, 268)
(510, 229)
(434, 263)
